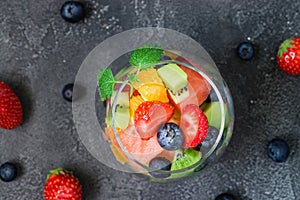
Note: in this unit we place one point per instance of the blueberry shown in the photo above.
(170, 136)
(8, 172)
(163, 58)
(67, 92)
(225, 196)
(160, 163)
(245, 51)
(207, 144)
(278, 150)
(72, 11)
(209, 140)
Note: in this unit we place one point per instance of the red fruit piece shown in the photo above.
(194, 125)
(288, 56)
(62, 184)
(142, 150)
(11, 112)
(199, 84)
(150, 115)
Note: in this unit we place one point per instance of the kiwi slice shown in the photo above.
(184, 159)
(122, 113)
(213, 113)
(175, 80)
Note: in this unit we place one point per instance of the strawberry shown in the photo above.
(288, 56)
(62, 185)
(150, 115)
(194, 125)
(11, 112)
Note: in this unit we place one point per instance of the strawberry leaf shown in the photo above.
(106, 82)
(284, 46)
(145, 56)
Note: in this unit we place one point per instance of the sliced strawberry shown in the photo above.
(150, 115)
(194, 125)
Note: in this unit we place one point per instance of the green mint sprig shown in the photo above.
(145, 56)
(106, 82)
(142, 58)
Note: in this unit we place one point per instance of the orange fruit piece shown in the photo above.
(119, 155)
(154, 92)
(175, 117)
(114, 146)
(149, 76)
(134, 103)
(172, 54)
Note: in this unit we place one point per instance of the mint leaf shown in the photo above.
(106, 82)
(145, 56)
(133, 78)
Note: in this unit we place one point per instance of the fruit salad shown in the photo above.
(162, 115)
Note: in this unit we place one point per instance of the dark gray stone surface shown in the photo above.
(40, 53)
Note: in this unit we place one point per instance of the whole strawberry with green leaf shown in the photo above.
(62, 185)
(11, 112)
(288, 57)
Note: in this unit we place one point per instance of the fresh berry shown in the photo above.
(67, 92)
(72, 11)
(150, 115)
(160, 163)
(225, 196)
(288, 56)
(170, 136)
(163, 58)
(209, 140)
(278, 150)
(245, 51)
(194, 125)
(62, 184)
(11, 111)
(8, 172)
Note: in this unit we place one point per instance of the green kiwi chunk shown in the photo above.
(184, 159)
(173, 77)
(122, 113)
(213, 113)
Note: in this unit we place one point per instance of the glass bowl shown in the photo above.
(113, 136)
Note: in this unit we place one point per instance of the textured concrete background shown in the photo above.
(40, 53)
